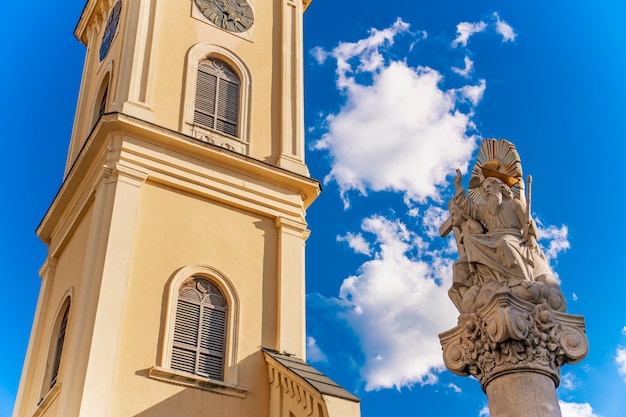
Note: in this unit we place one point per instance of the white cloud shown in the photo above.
(464, 72)
(473, 93)
(319, 54)
(557, 240)
(356, 242)
(455, 388)
(567, 410)
(576, 410)
(504, 29)
(313, 351)
(400, 131)
(397, 305)
(574, 297)
(433, 218)
(467, 29)
(620, 360)
(568, 381)
(624, 330)
(368, 52)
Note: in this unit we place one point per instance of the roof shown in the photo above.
(315, 378)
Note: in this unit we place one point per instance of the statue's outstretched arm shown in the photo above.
(458, 186)
(462, 200)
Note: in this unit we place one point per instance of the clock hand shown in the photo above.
(218, 4)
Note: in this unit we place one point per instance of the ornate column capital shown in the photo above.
(510, 335)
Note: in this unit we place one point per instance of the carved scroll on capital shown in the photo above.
(504, 320)
(573, 341)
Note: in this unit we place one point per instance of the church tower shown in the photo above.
(174, 282)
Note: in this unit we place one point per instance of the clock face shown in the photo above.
(110, 29)
(232, 15)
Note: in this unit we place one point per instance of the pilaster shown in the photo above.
(291, 292)
(136, 60)
(105, 281)
(292, 137)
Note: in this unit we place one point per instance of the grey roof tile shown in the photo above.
(318, 380)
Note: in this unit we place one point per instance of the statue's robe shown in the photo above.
(502, 253)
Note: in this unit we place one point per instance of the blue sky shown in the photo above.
(397, 96)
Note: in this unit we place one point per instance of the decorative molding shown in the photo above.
(48, 268)
(281, 381)
(218, 138)
(129, 175)
(290, 226)
(163, 155)
(511, 335)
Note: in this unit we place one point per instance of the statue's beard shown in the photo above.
(494, 202)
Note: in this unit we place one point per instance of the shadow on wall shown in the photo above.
(193, 402)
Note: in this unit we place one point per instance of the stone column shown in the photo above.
(515, 349)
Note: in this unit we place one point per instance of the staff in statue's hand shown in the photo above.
(530, 229)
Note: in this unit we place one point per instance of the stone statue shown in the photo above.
(497, 243)
(513, 334)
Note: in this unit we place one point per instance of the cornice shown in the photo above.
(170, 158)
(93, 9)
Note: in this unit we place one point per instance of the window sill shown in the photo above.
(45, 402)
(195, 381)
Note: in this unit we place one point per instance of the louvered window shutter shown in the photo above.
(200, 329)
(59, 348)
(103, 102)
(217, 97)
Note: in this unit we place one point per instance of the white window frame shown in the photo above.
(196, 54)
(163, 371)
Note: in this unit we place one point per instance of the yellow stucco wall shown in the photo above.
(58, 281)
(188, 230)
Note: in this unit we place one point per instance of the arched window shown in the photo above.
(55, 350)
(200, 332)
(199, 341)
(103, 101)
(217, 97)
(58, 350)
(100, 105)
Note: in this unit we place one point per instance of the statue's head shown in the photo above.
(495, 186)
